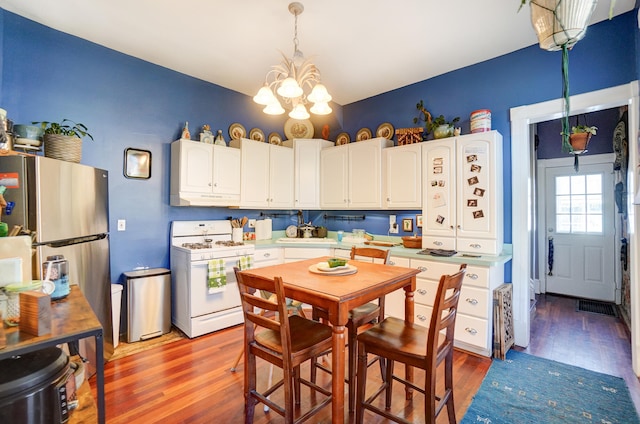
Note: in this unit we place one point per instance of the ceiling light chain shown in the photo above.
(290, 78)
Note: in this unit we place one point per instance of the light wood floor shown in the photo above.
(189, 381)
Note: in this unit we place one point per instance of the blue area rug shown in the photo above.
(528, 389)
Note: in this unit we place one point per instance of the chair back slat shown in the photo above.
(443, 317)
(371, 252)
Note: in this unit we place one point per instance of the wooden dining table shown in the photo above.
(338, 294)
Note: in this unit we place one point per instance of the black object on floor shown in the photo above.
(596, 307)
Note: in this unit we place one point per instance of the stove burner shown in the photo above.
(197, 245)
(229, 243)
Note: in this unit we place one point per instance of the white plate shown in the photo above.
(296, 128)
(348, 269)
(324, 267)
(256, 134)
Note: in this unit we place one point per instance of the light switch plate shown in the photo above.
(122, 225)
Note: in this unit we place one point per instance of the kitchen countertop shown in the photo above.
(399, 251)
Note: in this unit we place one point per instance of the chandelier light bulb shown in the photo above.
(321, 109)
(299, 112)
(319, 94)
(290, 89)
(274, 108)
(264, 96)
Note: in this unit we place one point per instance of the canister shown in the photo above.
(480, 120)
(56, 269)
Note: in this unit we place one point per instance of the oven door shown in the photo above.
(203, 303)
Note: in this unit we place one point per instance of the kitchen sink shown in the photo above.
(308, 240)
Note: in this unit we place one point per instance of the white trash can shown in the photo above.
(116, 301)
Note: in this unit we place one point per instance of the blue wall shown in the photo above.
(127, 102)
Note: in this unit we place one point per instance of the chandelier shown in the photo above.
(290, 78)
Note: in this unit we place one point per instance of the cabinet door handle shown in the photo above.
(421, 317)
(472, 301)
(458, 226)
(437, 243)
(471, 331)
(422, 291)
(267, 255)
(422, 268)
(391, 263)
(215, 184)
(473, 276)
(451, 227)
(388, 200)
(209, 184)
(475, 246)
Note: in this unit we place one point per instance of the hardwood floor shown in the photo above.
(189, 381)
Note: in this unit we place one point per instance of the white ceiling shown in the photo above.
(362, 47)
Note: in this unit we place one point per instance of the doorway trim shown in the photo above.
(522, 188)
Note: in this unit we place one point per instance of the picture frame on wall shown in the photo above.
(419, 221)
(407, 224)
(137, 163)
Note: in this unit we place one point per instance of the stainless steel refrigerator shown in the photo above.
(66, 205)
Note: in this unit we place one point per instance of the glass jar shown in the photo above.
(56, 269)
(13, 298)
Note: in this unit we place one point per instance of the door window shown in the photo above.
(579, 204)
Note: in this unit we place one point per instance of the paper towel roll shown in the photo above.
(268, 228)
(260, 230)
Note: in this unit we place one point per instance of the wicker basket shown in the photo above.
(412, 242)
(63, 147)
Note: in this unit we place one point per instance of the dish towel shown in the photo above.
(216, 276)
(245, 262)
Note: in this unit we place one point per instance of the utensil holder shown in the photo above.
(236, 235)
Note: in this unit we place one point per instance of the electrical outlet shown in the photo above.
(252, 223)
(122, 225)
(393, 225)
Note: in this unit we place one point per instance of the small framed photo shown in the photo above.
(478, 192)
(407, 224)
(419, 221)
(137, 163)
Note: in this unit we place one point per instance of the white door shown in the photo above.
(580, 232)
(280, 177)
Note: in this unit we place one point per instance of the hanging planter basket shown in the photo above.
(560, 22)
(579, 142)
(63, 147)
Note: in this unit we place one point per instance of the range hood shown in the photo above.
(204, 199)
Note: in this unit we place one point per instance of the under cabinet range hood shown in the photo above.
(199, 199)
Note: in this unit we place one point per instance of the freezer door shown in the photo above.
(71, 200)
(88, 268)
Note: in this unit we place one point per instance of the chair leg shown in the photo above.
(235, 364)
(389, 383)
(296, 384)
(269, 381)
(353, 352)
(250, 383)
(361, 382)
(448, 382)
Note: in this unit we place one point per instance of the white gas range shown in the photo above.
(194, 310)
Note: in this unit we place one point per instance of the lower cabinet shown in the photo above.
(293, 254)
(474, 323)
(267, 256)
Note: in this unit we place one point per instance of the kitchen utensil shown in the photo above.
(244, 221)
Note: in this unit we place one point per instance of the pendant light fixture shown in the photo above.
(291, 79)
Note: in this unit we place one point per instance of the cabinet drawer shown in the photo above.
(476, 276)
(422, 314)
(472, 331)
(434, 270)
(342, 253)
(430, 242)
(488, 247)
(271, 254)
(305, 252)
(395, 260)
(474, 301)
(425, 293)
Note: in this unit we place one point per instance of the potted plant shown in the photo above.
(580, 136)
(439, 126)
(63, 140)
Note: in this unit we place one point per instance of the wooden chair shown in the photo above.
(358, 317)
(415, 346)
(285, 341)
(293, 307)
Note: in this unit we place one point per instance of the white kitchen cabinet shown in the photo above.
(474, 323)
(462, 203)
(306, 171)
(267, 256)
(351, 175)
(266, 179)
(402, 176)
(204, 174)
(294, 254)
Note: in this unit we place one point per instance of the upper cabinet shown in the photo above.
(463, 204)
(351, 175)
(402, 176)
(204, 174)
(266, 175)
(307, 171)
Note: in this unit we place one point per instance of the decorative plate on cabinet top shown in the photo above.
(237, 131)
(343, 138)
(363, 134)
(298, 128)
(385, 130)
(257, 135)
(274, 138)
